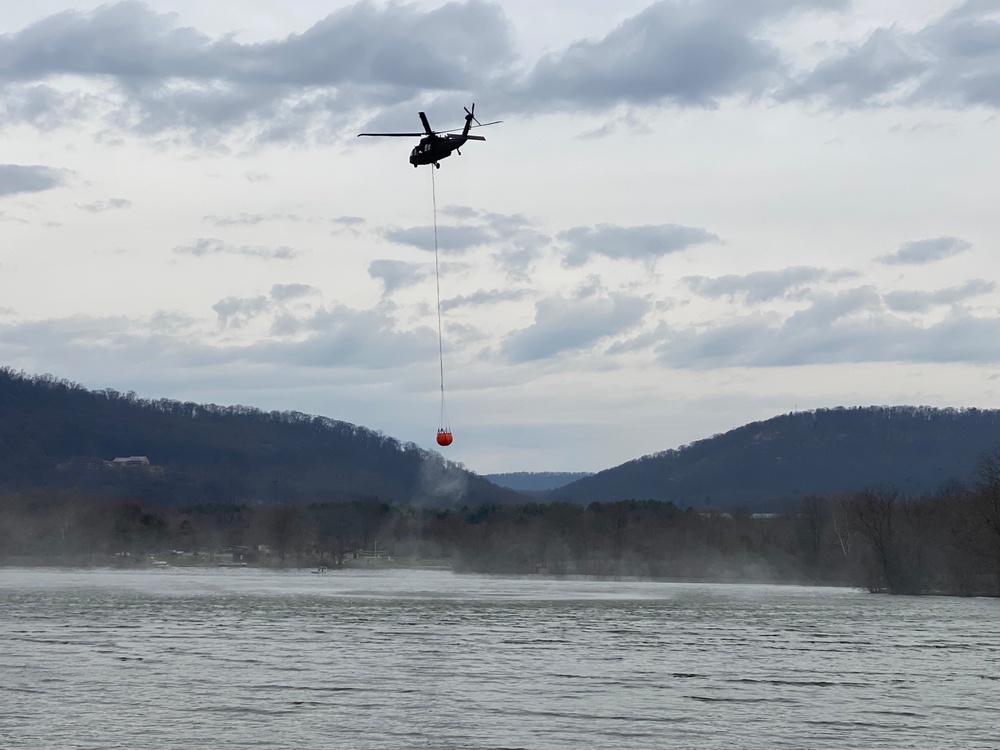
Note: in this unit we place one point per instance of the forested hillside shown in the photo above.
(763, 465)
(54, 433)
(57, 434)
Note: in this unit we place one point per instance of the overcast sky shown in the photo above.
(695, 214)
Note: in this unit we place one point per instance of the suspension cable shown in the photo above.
(437, 279)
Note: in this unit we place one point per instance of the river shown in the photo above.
(247, 658)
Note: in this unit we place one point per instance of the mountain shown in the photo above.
(763, 465)
(535, 481)
(57, 434)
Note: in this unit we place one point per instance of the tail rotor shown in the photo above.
(471, 114)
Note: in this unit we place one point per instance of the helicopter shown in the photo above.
(438, 144)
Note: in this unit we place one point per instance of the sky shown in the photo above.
(695, 214)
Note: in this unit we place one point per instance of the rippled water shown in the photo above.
(240, 658)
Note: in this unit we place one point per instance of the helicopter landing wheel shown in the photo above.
(437, 166)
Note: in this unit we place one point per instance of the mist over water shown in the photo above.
(243, 658)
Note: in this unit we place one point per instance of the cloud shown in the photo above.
(953, 61)
(285, 292)
(398, 274)
(112, 204)
(483, 298)
(920, 252)
(205, 246)
(236, 312)
(646, 243)
(687, 54)
(849, 327)
(519, 242)
(451, 239)
(125, 67)
(339, 336)
(86, 340)
(920, 301)
(330, 338)
(573, 324)
(17, 178)
(349, 221)
(630, 122)
(245, 219)
(868, 71)
(154, 76)
(762, 286)
(965, 44)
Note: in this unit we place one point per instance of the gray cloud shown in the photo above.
(919, 252)
(762, 286)
(112, 204)
(850, 327)
(953, 61)
(516, 262)
(18, 178)
(349, 221)
(87, 341)
(164, 77)
(965, 43)
(646, 243)
(149, 75)
(451, 239)
(397, 274)
(245, 219)
(916, 301)
(878, 65)
(484, 298)
(518, 241)
(285, 292)
(690, 54)
(331, 338)
(343, 337)
(461, 212)
(205, 246)
(573, 324)
(236, 312)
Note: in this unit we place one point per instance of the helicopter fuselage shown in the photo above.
(433, 148)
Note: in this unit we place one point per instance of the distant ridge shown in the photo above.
(764, 465)
(57, 434)
(536, 481)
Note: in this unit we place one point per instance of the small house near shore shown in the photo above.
(130, 461)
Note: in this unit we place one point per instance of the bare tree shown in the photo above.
(872, 512)
(986, 501)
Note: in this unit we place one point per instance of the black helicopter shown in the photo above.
(438, 144)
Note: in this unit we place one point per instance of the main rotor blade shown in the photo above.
(459, 130)
(476, 137)
(427, 125)
(393, 135)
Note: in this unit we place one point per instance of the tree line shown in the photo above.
(879, 539)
